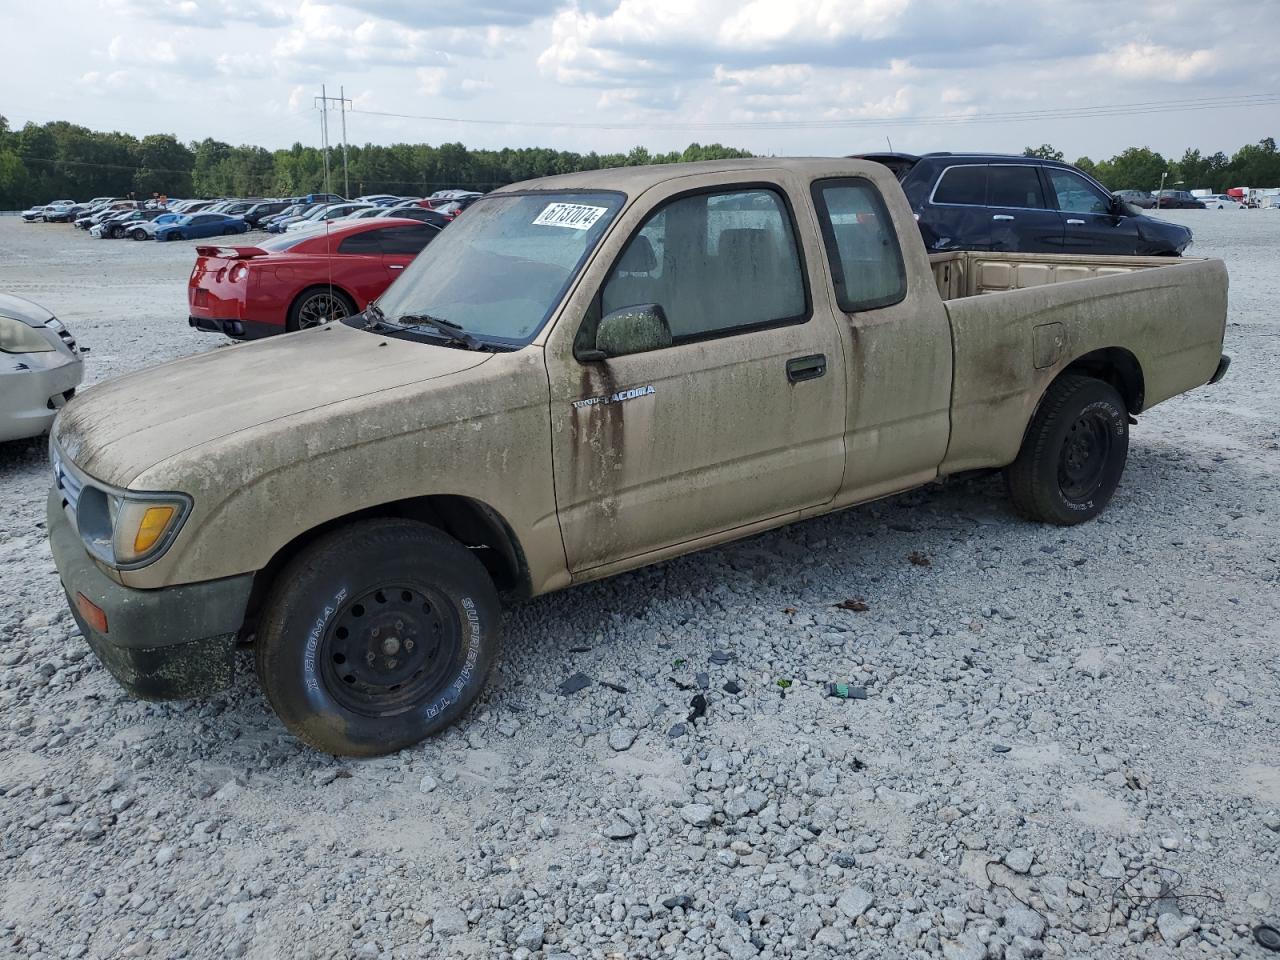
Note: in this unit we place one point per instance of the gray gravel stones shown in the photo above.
(449, 921)
(621, 738)
(697, 814)
(1127, 665)
(531, 937)
(1024, 922)
(854, 902)
(1175, 927)
(1018, 860)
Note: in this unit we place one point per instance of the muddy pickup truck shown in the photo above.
(586, 374)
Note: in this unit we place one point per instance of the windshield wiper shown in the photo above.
(375, 319)
(452, 331)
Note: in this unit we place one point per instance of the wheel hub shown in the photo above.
(388, 648)
(1084, 457)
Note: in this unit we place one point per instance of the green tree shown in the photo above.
(1137, 168)
(163, 166)
(1046, 151)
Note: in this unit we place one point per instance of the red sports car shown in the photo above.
(300, 280)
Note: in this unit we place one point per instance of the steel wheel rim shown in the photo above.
(1086, 451)
(320, 308)
(390, 648)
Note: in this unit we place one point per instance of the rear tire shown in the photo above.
(376, 636)
(317, 306)
(1073, 455)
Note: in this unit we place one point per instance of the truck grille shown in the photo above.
(68, 484)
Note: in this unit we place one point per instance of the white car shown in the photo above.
(40, 368)
(33, 214)
(1220, 201)
(142, 229)
(333, 211)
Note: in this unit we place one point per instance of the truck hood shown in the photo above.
(116, 430)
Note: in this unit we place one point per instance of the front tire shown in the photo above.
(1073, 455)
(377, 636)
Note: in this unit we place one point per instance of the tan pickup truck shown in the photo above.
(586, 374)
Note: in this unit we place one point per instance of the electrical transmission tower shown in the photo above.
(322, 104)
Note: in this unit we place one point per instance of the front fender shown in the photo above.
(481, 434)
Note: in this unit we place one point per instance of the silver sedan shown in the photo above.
(40, 368)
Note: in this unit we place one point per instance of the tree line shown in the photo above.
(1140, 168)
(42, 162)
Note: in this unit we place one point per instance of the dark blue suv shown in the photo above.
(981, 201)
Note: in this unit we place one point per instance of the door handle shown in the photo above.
(806, 368)
(1076, 222)
(395, 266)
(1002, 216)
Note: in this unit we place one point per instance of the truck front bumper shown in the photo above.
(167, 644)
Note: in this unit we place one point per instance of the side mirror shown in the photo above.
(1123, 208)
(635, 329)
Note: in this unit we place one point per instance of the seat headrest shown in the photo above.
(639, 256)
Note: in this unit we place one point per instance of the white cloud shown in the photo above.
(441, 82)
(1148, 61)
(213, 14)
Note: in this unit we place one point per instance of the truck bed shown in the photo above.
(1017, 319)
(968, 273)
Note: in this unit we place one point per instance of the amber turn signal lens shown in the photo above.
(154, 522)
(93, 615)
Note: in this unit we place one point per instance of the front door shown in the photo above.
(1089, 218)
(740, 420)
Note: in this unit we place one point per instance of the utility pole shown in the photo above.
(346, 182)
(322, 103)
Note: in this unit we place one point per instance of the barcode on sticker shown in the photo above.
(577, 216)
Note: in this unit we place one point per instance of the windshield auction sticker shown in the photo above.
(576, 216)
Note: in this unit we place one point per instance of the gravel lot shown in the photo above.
(1049, 714)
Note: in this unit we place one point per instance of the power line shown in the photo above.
(1017, 116)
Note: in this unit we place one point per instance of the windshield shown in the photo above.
(499, 271)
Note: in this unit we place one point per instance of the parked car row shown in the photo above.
(113, 218)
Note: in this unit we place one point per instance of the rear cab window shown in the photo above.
(867, 269)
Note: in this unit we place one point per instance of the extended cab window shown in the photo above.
(964, 185)
(715, 263)
(1076, 194)
(1015, 185)
(862, 246)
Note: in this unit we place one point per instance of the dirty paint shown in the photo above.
(602, 465)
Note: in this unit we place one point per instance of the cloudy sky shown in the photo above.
(772, 76)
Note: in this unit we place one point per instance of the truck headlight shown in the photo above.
(126, 529)
(17, 337)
